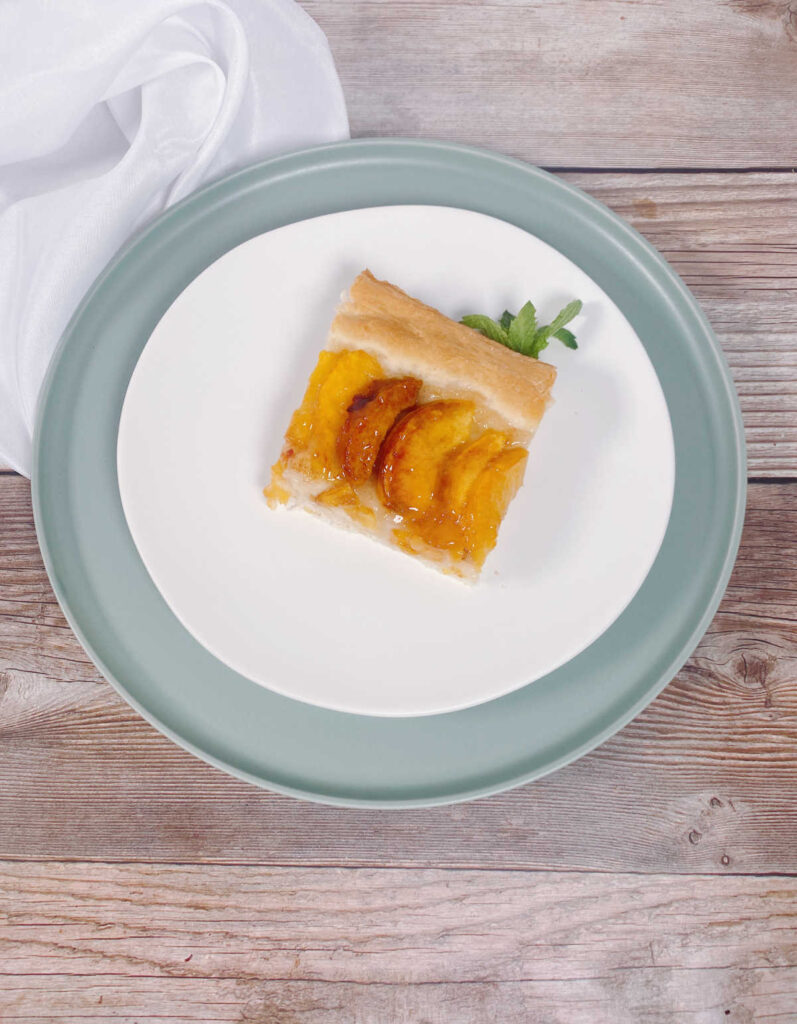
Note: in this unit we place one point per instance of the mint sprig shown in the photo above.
(523, 328)
(522, 333)
(506, 319)
(489, 328)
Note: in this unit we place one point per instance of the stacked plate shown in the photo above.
(317, 663)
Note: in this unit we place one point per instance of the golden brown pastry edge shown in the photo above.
(409, 337)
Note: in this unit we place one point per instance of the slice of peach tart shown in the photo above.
(413, 428)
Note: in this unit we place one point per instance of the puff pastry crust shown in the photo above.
(408, 337)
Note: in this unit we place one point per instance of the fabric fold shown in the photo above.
(110, 111)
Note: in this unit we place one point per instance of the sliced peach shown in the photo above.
(409, 542)
(352, 373)
(463, 466)
(370, 416)
(276, 492)
(442, 531)
(414, 449)
(301, 426)
(310, 442)
(489, 498)
(343, 495)
(337, 495)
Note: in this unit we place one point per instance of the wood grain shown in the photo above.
(705, 780)
(575, 83)
(140, 942)
(733, 238)
(655, 995)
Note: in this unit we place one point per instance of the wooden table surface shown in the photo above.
(653, 881)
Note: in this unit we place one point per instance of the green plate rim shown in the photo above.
(402, 147)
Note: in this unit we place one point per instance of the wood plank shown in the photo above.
(732, 239)
(621, 83)
(88, 941)
(656, 995)
(703, 781)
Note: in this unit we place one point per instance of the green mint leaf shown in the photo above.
(566, 337)
(523, 328)
(521, 332)
(564, 316)
(570, 312)
(539, 342)
(486, 326)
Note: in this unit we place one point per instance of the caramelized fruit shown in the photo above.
(463, 466)
(489, 498)
(446, 523)
(276, 492)
(414, 449)
(451, 488)
(300, 428)
(370, 416)
(315, 426)
(344, 496)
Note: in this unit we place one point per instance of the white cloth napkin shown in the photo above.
(111, 110)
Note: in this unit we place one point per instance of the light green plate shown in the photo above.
(183, 690)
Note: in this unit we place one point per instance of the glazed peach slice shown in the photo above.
(414, 449)
(463, 466)
(489, 498)
(342, 495)
(297, 436)
(370, 416)
(446, 524)
(314, 429)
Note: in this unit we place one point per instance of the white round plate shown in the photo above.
(333, 618)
